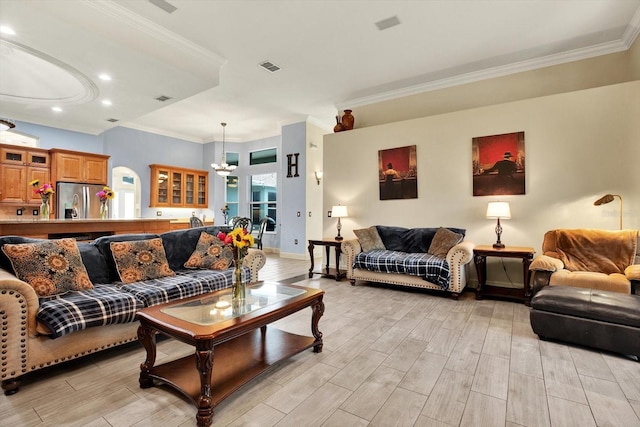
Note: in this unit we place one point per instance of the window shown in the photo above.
(264, 193)
(232, 195)
(233, 159)
(263, 156)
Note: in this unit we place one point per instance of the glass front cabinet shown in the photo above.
(178, 187)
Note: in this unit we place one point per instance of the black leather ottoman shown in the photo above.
(601, 319)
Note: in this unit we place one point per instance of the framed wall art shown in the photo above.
(498, 165)
(398, 173)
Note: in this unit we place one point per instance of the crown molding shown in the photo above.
(162, 132)
(633, 29)
(489, 73)
(139, 23)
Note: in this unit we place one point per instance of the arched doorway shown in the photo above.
(126, 185)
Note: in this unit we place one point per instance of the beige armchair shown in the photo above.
(588, 258)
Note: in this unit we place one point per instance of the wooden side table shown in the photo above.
(480, 254)
(332, 273)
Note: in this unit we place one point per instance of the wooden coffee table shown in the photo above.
(244, 346)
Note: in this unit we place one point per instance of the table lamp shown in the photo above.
(498, 210)
(339, 212)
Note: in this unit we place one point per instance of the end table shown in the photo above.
(332, 273)
(480, 254)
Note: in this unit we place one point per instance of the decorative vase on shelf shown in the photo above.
(44, 210)
(104, 210)
(347, 120)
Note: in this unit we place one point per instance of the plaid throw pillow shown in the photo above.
(140, 260)
(210, 253)
(51, 267)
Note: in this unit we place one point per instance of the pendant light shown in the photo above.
(224, 169)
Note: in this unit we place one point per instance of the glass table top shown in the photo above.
(218, 308)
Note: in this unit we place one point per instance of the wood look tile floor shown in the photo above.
(391, 357)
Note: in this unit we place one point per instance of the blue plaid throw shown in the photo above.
(77, 310)
(430, 268)
(118, 303)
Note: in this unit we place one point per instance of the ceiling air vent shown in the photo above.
(164, 5)
(163, 98)
(388, 23)
(269, 66)
(113, 120)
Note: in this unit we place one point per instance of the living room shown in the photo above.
(581, 135)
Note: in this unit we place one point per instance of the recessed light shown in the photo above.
(105, 77)
(56, 109)
(7, 30)
(106, 102)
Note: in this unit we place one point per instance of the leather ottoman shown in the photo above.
(589, 317)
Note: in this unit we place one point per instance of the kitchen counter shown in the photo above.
(82, 229)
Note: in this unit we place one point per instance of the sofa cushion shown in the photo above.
(369, 239)
(586, 279)
(94, 262)
(210, 253)
(104, 246)
(411, 240)
(77, 310)
(140, 260)
(51, 267)
(180, 244)
(443, 241)
(5, 263)
(184, 284)
(431, 268)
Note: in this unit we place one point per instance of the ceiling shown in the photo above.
(205, 57)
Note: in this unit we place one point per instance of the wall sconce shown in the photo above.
(608, 198)
(498, 210)
(318, 175)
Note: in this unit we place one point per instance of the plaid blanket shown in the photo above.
(77, 310)
(430, 268)
(108, 304)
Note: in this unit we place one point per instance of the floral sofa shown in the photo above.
(430, 258)
(101, 290)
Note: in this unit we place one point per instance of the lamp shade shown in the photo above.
(498, 210)
(339, 211)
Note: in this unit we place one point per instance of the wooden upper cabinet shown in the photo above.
(18, 167)
(74, 166)
(178, 187)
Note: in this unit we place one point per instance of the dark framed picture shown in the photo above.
(398, 173)
(498, 165)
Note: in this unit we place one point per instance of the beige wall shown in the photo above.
(578, 75)
(579, 146)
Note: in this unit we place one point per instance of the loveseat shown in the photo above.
(588, 258)
(429, 258)
(101, 314)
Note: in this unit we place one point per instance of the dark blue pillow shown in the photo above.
(410, 240)
(180, 244)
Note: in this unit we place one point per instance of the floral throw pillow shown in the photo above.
(444, 240)
(210, 253)
(51, 267)
(369, 239)
(139, 260)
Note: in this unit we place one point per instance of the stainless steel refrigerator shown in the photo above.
(77, 201)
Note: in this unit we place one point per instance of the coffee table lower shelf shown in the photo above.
(236, 363)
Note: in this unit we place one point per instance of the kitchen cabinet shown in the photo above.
(75, 166)
(18, 167)
(178, 187)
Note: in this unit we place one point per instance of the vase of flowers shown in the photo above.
(241, 240)
(105, 195)
(45, 193)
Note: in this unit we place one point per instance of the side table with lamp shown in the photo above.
(501, 210)
(336, 273)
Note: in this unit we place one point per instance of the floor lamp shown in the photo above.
(608, 198)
